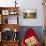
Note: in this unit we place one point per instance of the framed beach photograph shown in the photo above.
(29, 14)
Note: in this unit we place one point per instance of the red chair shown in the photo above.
(29, 33)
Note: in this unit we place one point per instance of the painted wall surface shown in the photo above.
(27, 4)
(33, 4)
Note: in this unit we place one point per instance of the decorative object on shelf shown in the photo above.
(29, 14)
(15, 29)
(7, 34)
(13, 12)
(15, 37)
(15, 34)
(5, 12)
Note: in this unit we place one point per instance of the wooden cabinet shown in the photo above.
(9, 25)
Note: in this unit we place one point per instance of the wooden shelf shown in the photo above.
(9, 43)
(5, 8)
(10, 26)
(4, 13)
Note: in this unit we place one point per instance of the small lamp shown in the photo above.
(15, 30)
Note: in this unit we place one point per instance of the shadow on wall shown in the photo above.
(37, 29)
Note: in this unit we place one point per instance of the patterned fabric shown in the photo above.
(30, 39)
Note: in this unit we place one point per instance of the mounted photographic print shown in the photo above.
(29, 14)
(5, 12)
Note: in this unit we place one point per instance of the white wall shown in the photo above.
(27, 4)
(33, 4)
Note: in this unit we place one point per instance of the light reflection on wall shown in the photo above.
(8, 3)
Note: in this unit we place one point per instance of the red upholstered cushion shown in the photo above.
(29, 33)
